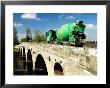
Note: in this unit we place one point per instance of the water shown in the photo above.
(20, 66)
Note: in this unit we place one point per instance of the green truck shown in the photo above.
(73, 33)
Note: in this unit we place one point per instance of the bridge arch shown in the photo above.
(40, 66)
(29, 62)
(58, 70)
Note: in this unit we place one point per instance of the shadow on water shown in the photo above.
(29, 63)
(18, 68)
(24, 59)
(20, 64)
(21, 67)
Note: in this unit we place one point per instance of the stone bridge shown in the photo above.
(51, 59)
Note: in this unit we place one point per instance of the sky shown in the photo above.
(45, 21)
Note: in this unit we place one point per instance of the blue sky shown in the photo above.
(45, 21)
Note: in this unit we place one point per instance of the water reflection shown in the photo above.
(21, 67)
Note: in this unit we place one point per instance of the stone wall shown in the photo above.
(75, 60)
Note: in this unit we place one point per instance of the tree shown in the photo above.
(39, 37)
(28, 35)
(16, 42)
(23, 40)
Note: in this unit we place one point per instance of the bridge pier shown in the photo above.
(49, 65)
(34, 59)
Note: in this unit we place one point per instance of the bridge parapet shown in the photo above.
(83, 57)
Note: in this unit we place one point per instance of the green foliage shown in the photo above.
(24, 40)
(28, 36)
(15, 39)
(39, 37)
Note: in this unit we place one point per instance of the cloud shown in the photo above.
(32, 16)
(91, 32)
(17, 25)
(62, 16)
(80, 14)
(91, 26)
(39, 19)
(69, 17)
(20, 36)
